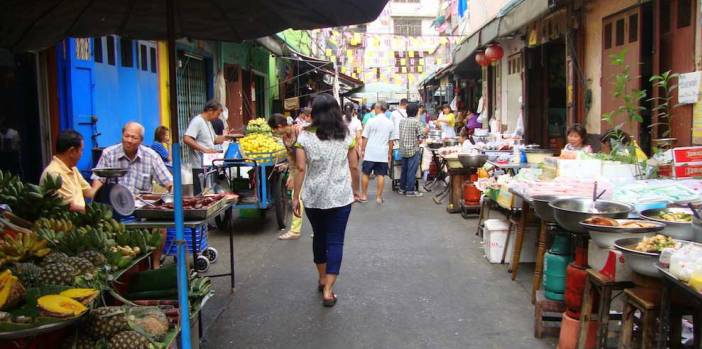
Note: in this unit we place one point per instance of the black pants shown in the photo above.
(197, 186)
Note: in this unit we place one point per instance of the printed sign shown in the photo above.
(689, 88)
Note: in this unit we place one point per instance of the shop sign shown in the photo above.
(689, 88)
(291, 103)
(533, 37)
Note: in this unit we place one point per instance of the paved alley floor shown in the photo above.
(412, 276)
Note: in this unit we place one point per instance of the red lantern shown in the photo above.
(494, 53)
(481, 59)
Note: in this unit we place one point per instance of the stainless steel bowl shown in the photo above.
(605, 236)
(434, 145)
(640, 262)
(542, 208)
(696, 229)
(472, 160)
(109, 172)
(676, 230)
(569, 212)
(450, 142)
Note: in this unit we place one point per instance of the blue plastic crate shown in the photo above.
(170, 248)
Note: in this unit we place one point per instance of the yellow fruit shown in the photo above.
(60, 306)
(11, 290)
(83, 295)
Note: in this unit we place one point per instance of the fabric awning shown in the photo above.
(519, 13)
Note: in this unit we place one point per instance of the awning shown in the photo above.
(513, 16)
(272, 44)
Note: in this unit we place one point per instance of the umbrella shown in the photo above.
(36, 24)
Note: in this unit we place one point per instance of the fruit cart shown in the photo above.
(260, 181)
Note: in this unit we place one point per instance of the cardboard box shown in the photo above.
(608, 262)
(687, 170)
(687, 154)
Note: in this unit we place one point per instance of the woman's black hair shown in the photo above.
(327, 119)
(580, 130)
(276, 120)
(160, 134)
(348, 111)
(446, 106)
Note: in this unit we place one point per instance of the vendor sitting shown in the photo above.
(618, 142)
(576, 142)
(74, 188)
(471, 124)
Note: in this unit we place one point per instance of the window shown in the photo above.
(152, 55)
(97, 50)
(111, 50)
(407, 26)
(665, 16)
(608, 36)
(620, 32)
(126, 49)
(634, 27)
(144, 61)
(684, 13)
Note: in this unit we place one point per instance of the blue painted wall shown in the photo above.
(113, 93)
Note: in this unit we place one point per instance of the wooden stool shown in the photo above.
(598, 284)
(547, 316)
(647, 301)
(541, 242)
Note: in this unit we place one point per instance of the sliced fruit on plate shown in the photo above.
(11, 290)
(83, 295)
(60, 306)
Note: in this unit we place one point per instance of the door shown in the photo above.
(677, 26)
(82, 103)
(621, 34)
(232, 78)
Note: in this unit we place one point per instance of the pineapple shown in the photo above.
(58, 274)
(54, 257)
(105, 322)
(28, 274)
(97, 258)
(129, 340)
(82, 265)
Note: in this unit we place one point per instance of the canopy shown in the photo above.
(36, 24)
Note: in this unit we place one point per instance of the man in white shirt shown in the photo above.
(201, 138)
(397, 116)
(376, 151)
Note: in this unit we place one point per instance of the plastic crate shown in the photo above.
(170, 248)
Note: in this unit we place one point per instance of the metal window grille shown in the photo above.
(192, 93)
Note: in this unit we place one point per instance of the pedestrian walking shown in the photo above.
(411, 133)
(398, 115)
(283, 128)
(376, 151)
(356, 131)
(201, 138)
(324, 158)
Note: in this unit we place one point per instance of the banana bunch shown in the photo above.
(30, 201)
(16, 247)
(80, 239)
(95, 213)
(200, 287)
(59, 225)
(258, 125)
(143, 239)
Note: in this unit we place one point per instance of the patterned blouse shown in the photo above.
(327, 178)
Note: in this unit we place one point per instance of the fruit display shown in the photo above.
(55, 305)
(11, 290)
(260, 146)
(258, 126)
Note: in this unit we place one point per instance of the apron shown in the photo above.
(447, 131)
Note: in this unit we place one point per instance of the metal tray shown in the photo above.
(110, 172)
(667, 275)
(607, 229)
(153, 214)
(41, 329)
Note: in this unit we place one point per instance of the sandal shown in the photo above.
(320, 287)
(328, 303)
(289, 236)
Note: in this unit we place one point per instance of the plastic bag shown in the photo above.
(685, 261)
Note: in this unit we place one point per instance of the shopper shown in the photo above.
(304, 118)
(370, 114)
(447, 121)
(74, 188)
(288, 132)
(411, 133)
(356, 130)
(577, 140)
(398, 115)
(376, 151)
(325, 161)
(201, 138)
(162, 137)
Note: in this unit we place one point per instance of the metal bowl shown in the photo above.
(605, 236)
(569, 212)
(435, 145)
(640, 262)
(110, 172)
(541, 207)
(472, 160)
(450, 142)
(676, 230)
(696, 229)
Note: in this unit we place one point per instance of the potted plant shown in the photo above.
(663, 110)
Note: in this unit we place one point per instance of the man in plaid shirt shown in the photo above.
(143, 163)
(411, 133)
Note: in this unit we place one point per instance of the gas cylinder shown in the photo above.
(576, 276)
(555, 264)
(471, 194)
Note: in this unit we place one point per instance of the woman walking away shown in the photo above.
(356, 129)
(325, 161)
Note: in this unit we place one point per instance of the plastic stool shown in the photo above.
(647, 301)
(598, 284)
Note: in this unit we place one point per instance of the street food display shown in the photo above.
(655, 244)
